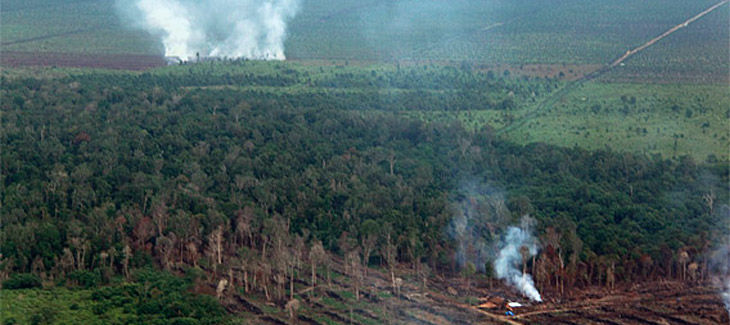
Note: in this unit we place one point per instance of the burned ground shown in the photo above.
(77, 60)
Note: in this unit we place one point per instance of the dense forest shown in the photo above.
(244, 175)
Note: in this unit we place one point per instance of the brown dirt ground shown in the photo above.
(452, 300)
(663, 302)
(77, 60)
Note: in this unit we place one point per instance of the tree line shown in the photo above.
(104, 174)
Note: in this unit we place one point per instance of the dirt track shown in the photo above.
(555, 96)
(667, 33)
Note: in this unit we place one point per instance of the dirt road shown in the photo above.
(551, 99)
(667, 33)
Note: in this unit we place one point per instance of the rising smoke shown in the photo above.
(481, 219)
(720, 258)
(479, 215)
(518, 244)
(252, 29)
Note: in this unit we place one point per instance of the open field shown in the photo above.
(77, 26)
(491, 33)
(699, 53)
(647, 119)
(105, 61)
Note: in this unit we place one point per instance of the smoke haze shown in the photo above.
(480, 214)
(510, 257)
(252, 29)
(481, 219)
(720, 258)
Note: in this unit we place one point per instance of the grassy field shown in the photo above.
(493, 31)
(649, 119)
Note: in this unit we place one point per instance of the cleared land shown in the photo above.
(490, 33)
(444, 301)
(106, 61)
(650, 119)
(699, 53)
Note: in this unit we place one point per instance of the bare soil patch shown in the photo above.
(78, 60)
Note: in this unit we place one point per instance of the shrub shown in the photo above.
(184, 321)
(22, 281)
(86, 279)
(46, 315)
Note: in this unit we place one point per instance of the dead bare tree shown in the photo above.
(127, 252)
(298, 250)
(67, 261)
(264, 276)
(316, 256)
(165, 248)
(215, 240)
(244, 223)
(292, 307)
(388, 251)
(525, 253)
(222, 284)
(160, 216)
(552, 238)
(709, 199)
(423, 272)
(354, 267)
(611, 275)
(368, 241)
(683, 259)
(80, 245)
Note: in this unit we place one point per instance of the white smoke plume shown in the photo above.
(480, 220)
(720, 258)
(252, 29)
(510, 256)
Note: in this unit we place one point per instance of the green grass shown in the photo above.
(595, 116)
(59, 305)
(325, 320)
(335, 304)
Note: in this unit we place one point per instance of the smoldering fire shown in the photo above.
(252, 29)
(516, 241)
